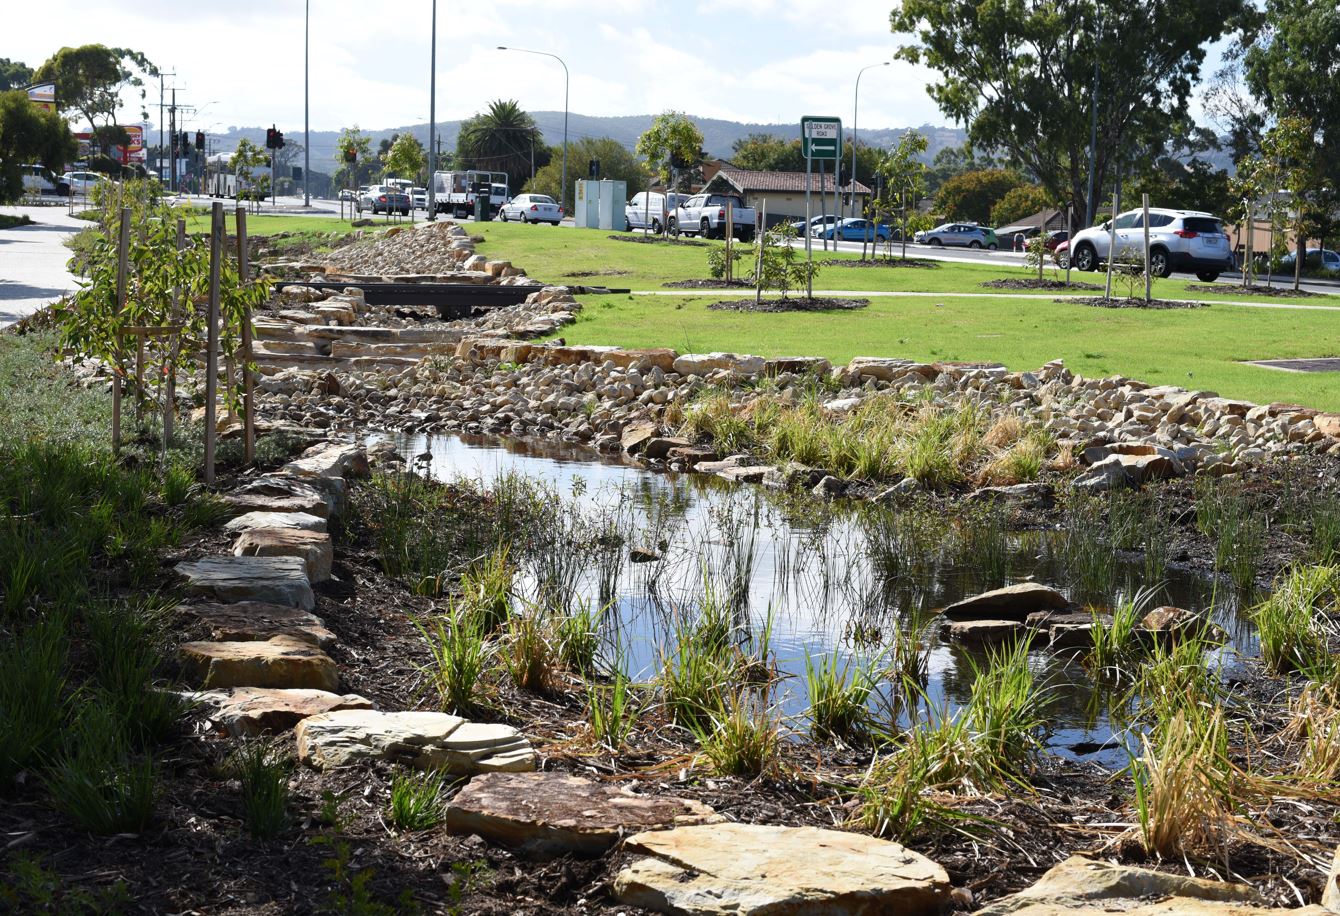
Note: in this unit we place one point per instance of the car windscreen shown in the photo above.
(1203, 224)
(540, 199)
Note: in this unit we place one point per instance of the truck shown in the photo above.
(222, 181)
(456, 191)
(705, 215)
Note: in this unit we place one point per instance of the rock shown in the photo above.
(693, 455)
(1083, 887)
(254, 620)
(829, 486)
(1330, 894)
(1014, 602)
(1144, 468)
(705, 363)
(797, 365)
(635, 437)
(744, 474)
(885, 370)
(1328, 424)
(331, 459)
(280, 494)
(744, 869)
(251, 520)
(660, 447)
(1038, 495)
(312, 547)
(642, 555)
(246, 711)
(1168, 624)
(280, 661)
(1108, 474)
(553, 814)
(277, 580)
(1065, 636)
(425, 740)
(983, 632)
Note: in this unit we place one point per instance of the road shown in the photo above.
(32, 261)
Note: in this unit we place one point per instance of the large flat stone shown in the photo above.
(281, 494)
(552, 814)
(244, 711)
(249, 621)
(277, 580)
(1084, 887)
(1014, 602)
(312, 547)
(330, 459)
(983, 632)
(743, 869)
(280, 661)
(424, 740)
(249, 520)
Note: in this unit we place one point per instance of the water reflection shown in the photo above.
(824, 575)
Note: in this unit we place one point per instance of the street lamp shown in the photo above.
(564, 195)
(432, 120)
(856, 107)
(306, 104)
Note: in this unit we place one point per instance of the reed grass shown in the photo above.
(1289, 623)
(34, 701)
(612, 711)
(529, 651)
(262, 771)
(839, 690)
(416, 800)
(460, 655)
(1116, 644)
(742, 738)
(578, 636)
(1184, 786)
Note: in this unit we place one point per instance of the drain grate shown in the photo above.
(1321, 364)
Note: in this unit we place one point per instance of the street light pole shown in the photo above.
(306, 104)
(855, 109)
(432, 119)
(564, 194)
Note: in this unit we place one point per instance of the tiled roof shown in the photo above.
(789, 182)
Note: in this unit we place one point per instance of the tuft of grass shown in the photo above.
(98, 780)
(460, 656)
(34, 702)
(1228, 517)
(1184, 786)
(611, 711)
(126, 639)
(486, 588)
(416, 800)
(839, 691)
(741, 739)
(578, 636)
(529, 653)
(1117, 644)
(262, 771)
(1289, 622)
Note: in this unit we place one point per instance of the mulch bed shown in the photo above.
(881, 262)
(708, 284)
(1276, 292)
(1102, 302)
(641, 239)
(1035, 283)
(801, 304)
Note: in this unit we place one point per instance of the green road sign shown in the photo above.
(820, 138)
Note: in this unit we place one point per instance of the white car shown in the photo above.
(1187, 241)
(83, 182)
(38, 179)
(648, 210)
(531, 208)
(419, 198)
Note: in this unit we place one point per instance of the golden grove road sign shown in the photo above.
(820, 137)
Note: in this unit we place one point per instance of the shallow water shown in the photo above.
(824, 575)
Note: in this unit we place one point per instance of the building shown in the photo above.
(784, 192)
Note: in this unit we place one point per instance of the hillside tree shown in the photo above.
(91, 79)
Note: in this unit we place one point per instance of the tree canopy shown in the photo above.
(971, 195)
(360, 171)
(1019, 74)
(616, 163)
(14, 74)
(29, 135)
(502, 139)
(673, 140)
(406, 158)
(90, 80)
(1018, 203)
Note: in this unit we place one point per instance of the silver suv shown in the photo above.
(1186, 241)
(964, 235)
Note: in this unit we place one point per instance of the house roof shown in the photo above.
(1043, 219)
(744, 181)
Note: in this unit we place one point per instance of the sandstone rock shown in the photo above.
(249, 520)
(982, 632)
(246, 711)
(881, 368)
(642, 555)
(744, 474)
(280, 494)
(797, 365)
(254, 620)
(1039, 495)
(552, 814)
(419, 739)
(635, 437)
(1014, 602)
(280, 661)
(312, 547)
(1330, 894)
(277, 580)
(1328, 424)
(660, 447)
(1083, 887)
(752, 870)
(692, 455)
(1070, 636)
(333, 459)
(704, 363)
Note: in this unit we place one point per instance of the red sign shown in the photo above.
(132, 152)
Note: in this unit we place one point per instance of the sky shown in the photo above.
(240, 63)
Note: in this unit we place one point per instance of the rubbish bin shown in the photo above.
(483, 203)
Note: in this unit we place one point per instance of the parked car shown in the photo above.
(1317, 259)
(38, 179)
(650, 209)
(1055, 238)
(419, 198)
(380, 198)
(82, 182)
(705, 215)
(531, 208)
(814, 227)
(347, 194)
(1187, 241)
(1061, 254)
(962, 235)
(858, 230)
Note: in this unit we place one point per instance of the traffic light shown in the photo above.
(200, 139)
(185, 143)
(270, 134)
(594, 168)
(279, 139)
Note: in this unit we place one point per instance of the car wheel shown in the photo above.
(503, 216)
(935, 243)
(705, 228)
(1207, 276)
(656, 226)
(524, 220)
(1086, 259)
(1159, 265)
(674, 227)
(627, 225)
(747, 235)
(974, 244)
(992, 247)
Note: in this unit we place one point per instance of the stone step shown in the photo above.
(357, 349)
(250, 520)
(314, 548)
(284, 493)
(249, 621)
(280, 661)
(424, 740)
(273, 364)
(275, 348)
(246, 711)
(554, 814)
(330, 459)
(745, 869)
(277, 580)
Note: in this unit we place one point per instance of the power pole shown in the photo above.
(172, 133)
(306, 105)
(1093, 128)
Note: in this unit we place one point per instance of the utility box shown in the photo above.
(600, 204)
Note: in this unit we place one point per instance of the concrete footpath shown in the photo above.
(32, 261)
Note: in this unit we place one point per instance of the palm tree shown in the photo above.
(502, 139)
